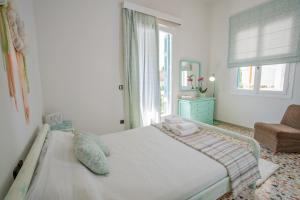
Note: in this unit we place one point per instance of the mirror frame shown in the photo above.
(180, 70)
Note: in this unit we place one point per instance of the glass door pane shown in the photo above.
(165, 42)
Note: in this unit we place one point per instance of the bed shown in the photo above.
(144, 163)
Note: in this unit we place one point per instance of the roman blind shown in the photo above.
(266, 34)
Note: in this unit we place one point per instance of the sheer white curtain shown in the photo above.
(142, 89)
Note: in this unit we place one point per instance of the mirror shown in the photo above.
(190, 71)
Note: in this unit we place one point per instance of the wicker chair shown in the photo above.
(283, 137)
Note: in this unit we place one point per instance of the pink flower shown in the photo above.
(201, 78)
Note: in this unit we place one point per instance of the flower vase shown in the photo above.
(201, 95)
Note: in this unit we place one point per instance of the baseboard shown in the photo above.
(218, 122)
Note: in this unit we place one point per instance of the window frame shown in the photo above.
(287, 85)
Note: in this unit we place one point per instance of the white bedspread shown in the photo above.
(144, 164)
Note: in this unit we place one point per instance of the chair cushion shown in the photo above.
(278, 130)
(292, 117)
(278, 137)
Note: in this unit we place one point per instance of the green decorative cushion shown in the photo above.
(97, 140)
(90, 154)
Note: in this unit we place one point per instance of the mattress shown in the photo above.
(144, 164)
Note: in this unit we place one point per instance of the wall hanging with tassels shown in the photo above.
(13, 48)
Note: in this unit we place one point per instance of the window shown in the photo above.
(274, 80)
(263, 42)
(165, 45)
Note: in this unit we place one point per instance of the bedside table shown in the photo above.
(198, 109)
(66, 126)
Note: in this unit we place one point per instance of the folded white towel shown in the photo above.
(168, 126)
(185, 132)
(173, 120)
(186, 125)
(173, 128)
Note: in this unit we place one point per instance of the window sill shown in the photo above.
(263, 94)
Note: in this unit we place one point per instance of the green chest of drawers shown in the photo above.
(200, 109)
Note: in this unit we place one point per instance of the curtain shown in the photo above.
(266, 34)
(142, 87)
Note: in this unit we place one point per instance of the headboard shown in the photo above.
(20, 186)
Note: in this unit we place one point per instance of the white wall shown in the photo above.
(81, 55)
(242, 110)
(15, 135)
(81, 59)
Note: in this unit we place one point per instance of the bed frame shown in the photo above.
(21, 184)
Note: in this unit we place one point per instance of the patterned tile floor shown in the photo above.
(283, 185)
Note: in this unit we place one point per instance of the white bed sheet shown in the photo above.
(144, 164)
